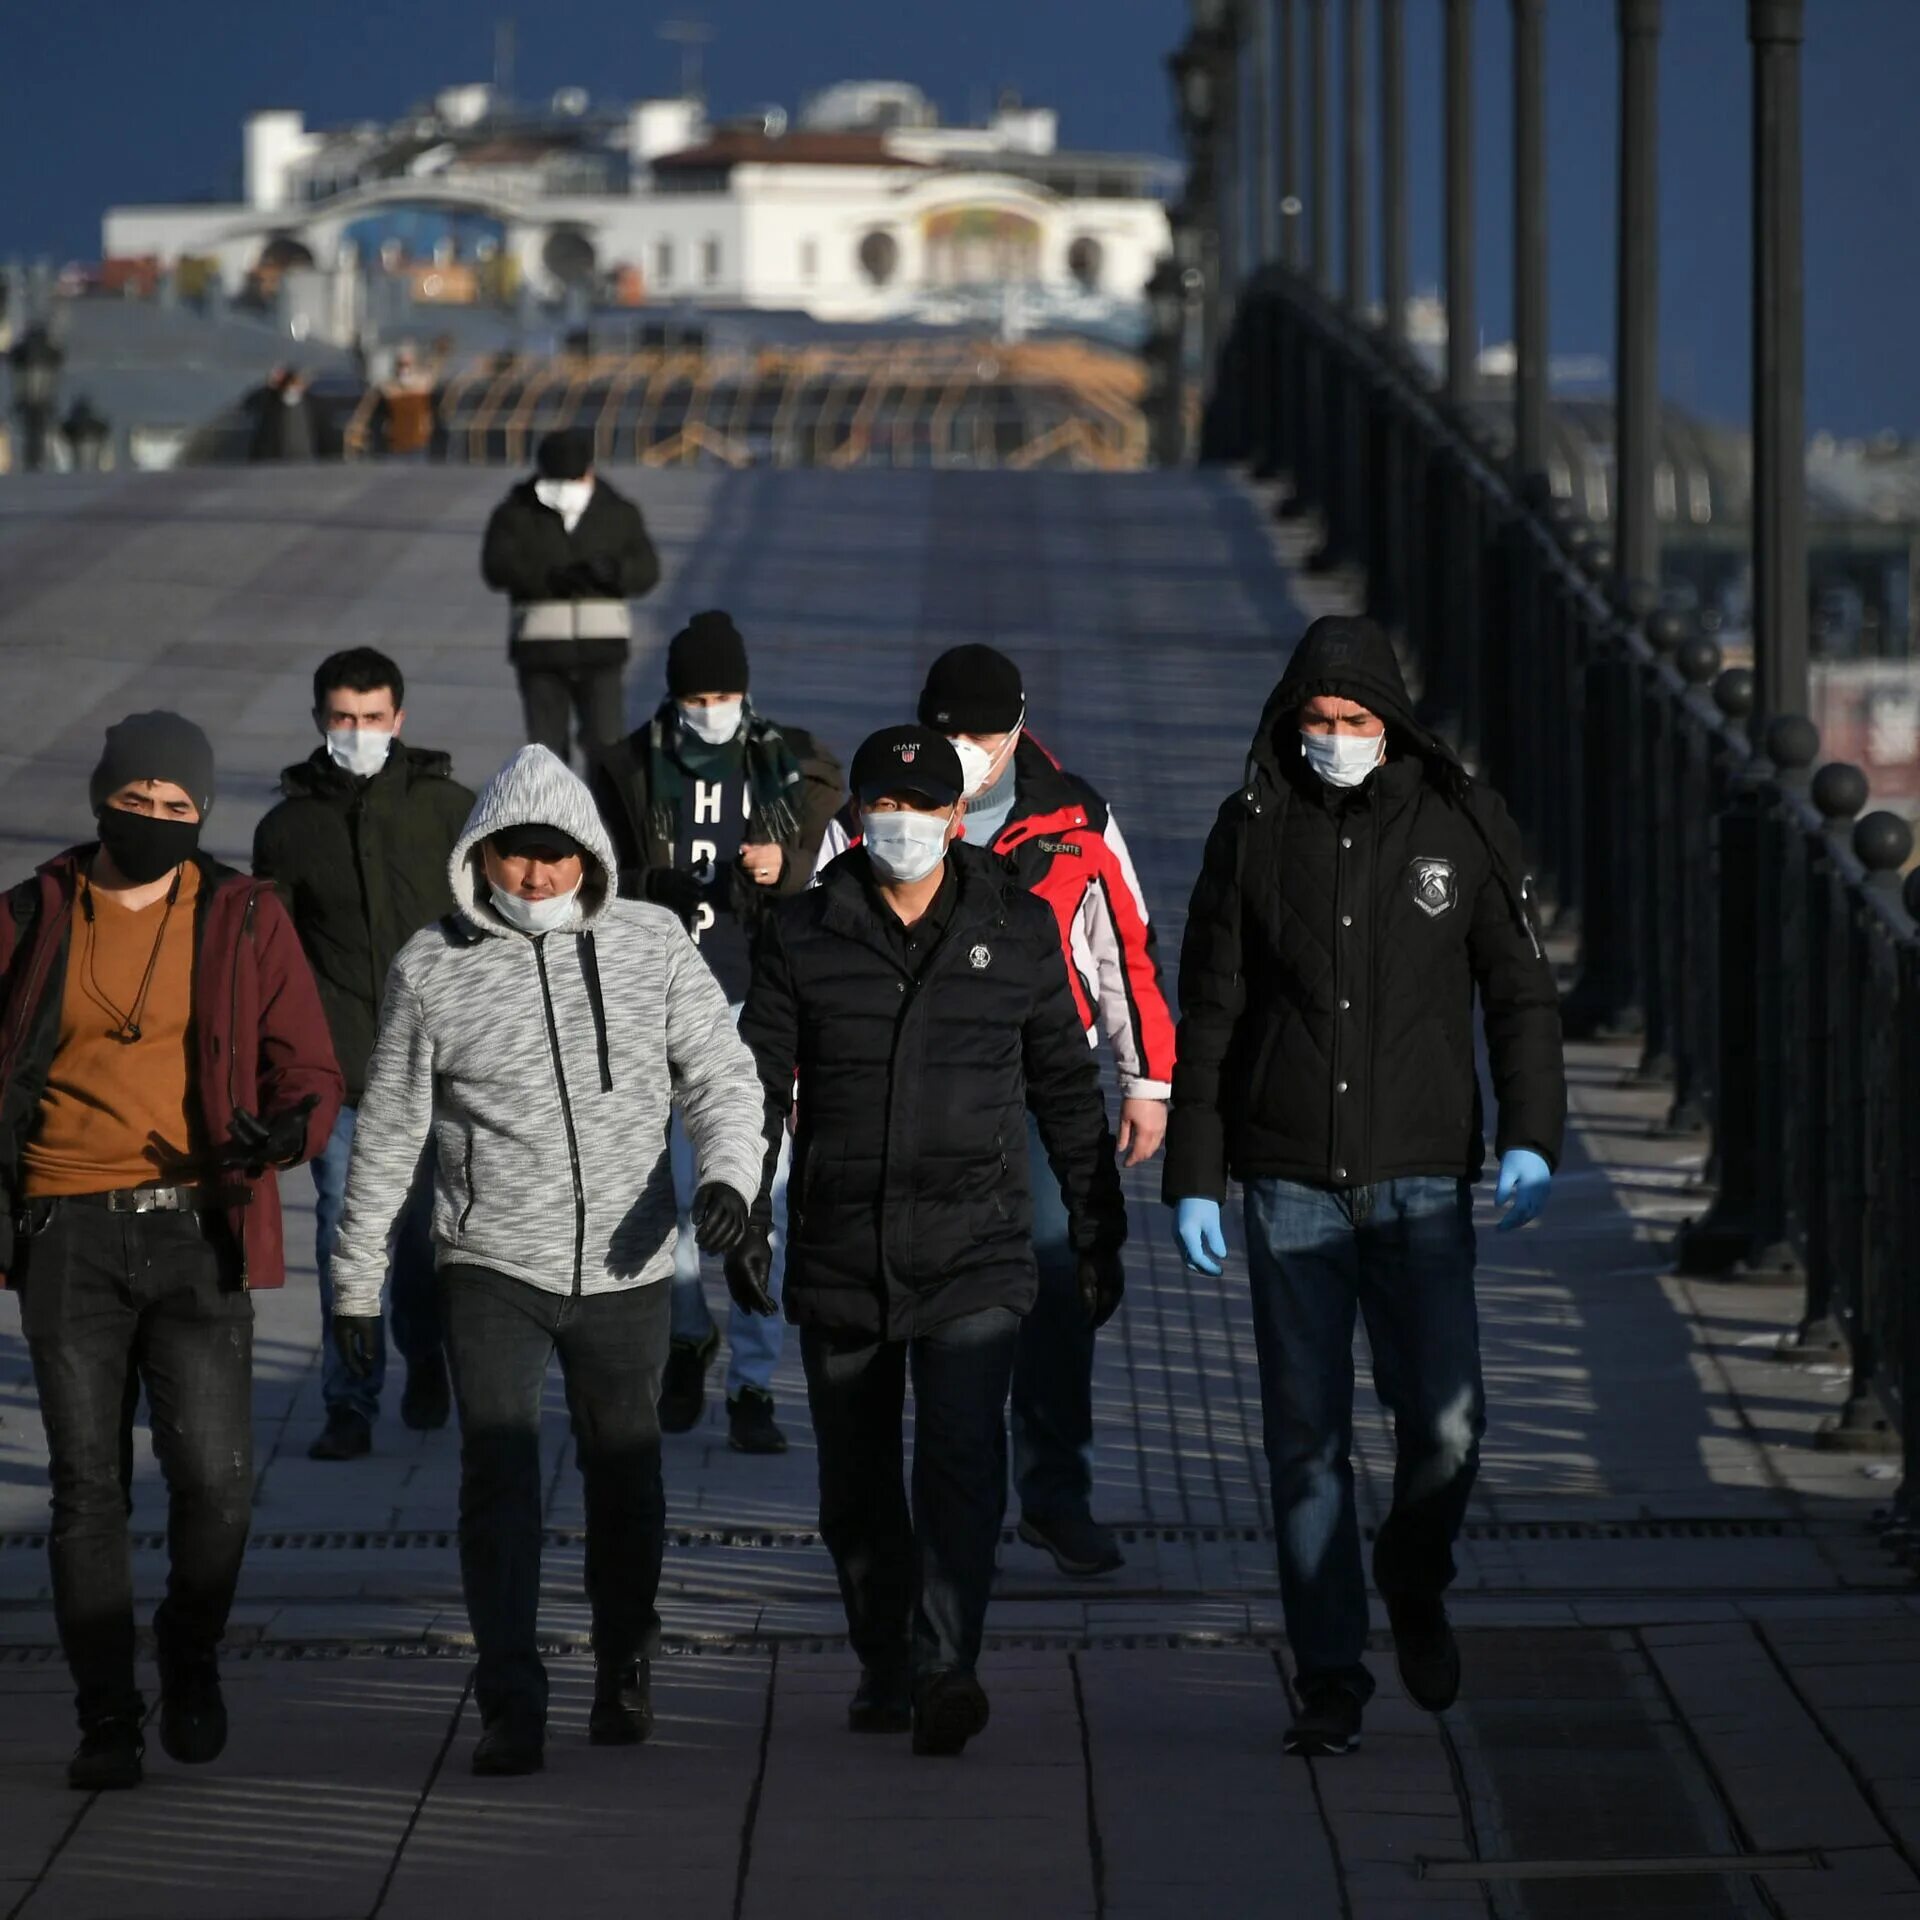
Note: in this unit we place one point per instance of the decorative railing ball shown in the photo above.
(1733, 692)
(1883, 843)
(1698, 659)
(1839, 790)
(1793, 742)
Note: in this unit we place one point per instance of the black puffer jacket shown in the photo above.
(1333, 948)
(606, 560)
(908, 1204)
(361, 865)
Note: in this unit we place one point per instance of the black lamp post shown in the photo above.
(1166, 358)
(36, 363)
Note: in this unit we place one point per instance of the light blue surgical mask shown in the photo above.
(905, 847)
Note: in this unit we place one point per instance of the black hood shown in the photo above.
(1353, 659)
(317, 774)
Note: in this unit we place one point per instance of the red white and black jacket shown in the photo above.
(1065, 845)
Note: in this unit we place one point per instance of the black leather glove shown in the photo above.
(259, 1144)
(675, 889)
(749, 1267)
(719, 1219)
(1102, 1285)
(356, 1338)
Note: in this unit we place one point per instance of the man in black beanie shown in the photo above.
(165, 1052)
(570, 553)
(716, 813)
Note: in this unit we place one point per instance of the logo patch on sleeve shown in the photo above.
(1434, 885)
(1071, 848)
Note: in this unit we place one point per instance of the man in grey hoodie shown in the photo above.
(539, 1036)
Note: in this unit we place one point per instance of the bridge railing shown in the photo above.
(1739, 915)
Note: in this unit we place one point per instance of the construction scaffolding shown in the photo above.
(946, 403)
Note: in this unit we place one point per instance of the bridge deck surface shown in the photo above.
(1680, 1639)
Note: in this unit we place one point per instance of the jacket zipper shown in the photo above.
(233, 1005)
(566, 1113)
(466, 1174)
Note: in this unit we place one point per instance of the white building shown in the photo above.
(865, 208)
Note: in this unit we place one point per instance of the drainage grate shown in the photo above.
(1679, 1866)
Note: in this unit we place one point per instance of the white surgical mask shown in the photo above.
(980, 769)
(359, 750)
(568, 498)
(535, 916)
(717, 724)
(1343, 759)
(905, 847)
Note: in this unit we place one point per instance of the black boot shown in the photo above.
(509, 1748)
(1424, 1646)
(347, 1436)
(948, 1710)
(622, 1713)
(108, 1756)
(1328, 1722)
(193, 1715)
(751, 1427)
(683, 1386)
(883, 1701)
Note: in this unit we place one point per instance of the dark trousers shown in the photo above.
(1052, 1365)
(915, 1580)
(593, 697)
(1402, 1253)
(613, 1348)
(112, 1302)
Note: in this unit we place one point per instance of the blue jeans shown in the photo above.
(1403, 1253)
(753, 1340)
(915, 1577)
(411, 1300)
(1052, 1365)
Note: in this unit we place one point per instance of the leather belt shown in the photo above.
(147, 1200)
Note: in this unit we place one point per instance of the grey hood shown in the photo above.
(534, 788)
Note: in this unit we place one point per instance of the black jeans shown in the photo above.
(915, 1582)
(595, 696)
(111, 1302)
(500, 1335)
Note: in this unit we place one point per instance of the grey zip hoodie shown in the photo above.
(543, 1070)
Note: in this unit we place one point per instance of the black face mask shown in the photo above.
(143, 847)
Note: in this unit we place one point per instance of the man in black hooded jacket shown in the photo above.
(1356, 893)
(570, 553)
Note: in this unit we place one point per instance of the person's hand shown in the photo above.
(259, 1144)
(1197, 1233)
(675, 889)
(1102, 1284)
(749, 1268)
(1525, 1181)
(719, 1219)
(1143, 1129)
(763, 863)
(356, 1338)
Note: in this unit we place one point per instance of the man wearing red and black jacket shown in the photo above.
(162, 1052)
(1065, 846)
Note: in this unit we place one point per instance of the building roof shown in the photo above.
(749, 146)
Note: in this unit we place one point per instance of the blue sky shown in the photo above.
(108, 100)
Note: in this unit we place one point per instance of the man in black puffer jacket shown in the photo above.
(921, 996)
(570, 553)
(1356, 893)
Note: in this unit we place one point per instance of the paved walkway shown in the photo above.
(1693, 1684)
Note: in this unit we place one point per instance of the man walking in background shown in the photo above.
(717, 814)
(537, 1038)
(570, 553)
(915, 1006)
(358, 851)
(1356, 894)
(162, 1053)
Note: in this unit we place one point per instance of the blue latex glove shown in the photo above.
(1196, 1232)
(1525, 1180)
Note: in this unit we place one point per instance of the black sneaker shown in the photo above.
(883, 1701)
(622, 1714)
(683, 1386)
(108, 1757)
(427, 1399)
(750, 1423)
(948, 1710)
(193, 1716)
(509, 1748)
(346, 1436)
(1328, 1722)
(1081, 1547)
(1427, 1652)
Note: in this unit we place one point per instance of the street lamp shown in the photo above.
(36, 364)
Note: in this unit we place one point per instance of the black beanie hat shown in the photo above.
(972, 689)
(155, 746)
(565, 455)
(707, 655)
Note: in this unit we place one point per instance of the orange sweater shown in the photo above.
(120, 1113)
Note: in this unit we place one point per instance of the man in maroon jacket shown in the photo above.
(162, 1051)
